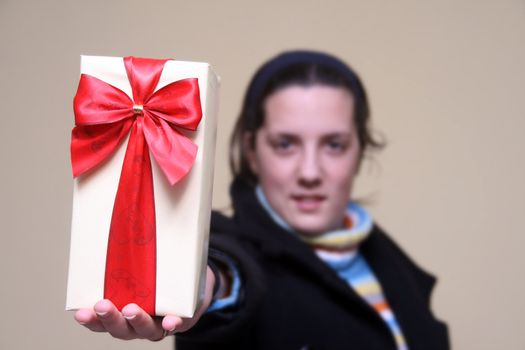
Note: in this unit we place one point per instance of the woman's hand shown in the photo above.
(135, 323)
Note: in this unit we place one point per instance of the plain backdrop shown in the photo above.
(446, 85)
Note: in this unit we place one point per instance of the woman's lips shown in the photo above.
(308, 203)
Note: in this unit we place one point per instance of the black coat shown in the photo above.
(293, 300)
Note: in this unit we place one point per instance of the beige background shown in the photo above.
(446, 83)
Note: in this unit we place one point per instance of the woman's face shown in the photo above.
(306, 155)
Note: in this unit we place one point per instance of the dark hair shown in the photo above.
(303, 68)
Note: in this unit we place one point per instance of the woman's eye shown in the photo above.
(336, 146)
(283, 145)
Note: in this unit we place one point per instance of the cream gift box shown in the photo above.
(182, 211)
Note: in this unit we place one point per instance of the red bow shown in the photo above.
(104, 116)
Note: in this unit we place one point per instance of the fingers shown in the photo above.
(113, 321)
(143, 324)
(134, 322)
(105, 317)
(89, 319)
(172, 323)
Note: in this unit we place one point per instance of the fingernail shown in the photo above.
(101, 313)
(130, 317)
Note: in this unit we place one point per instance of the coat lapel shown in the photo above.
(407, 289)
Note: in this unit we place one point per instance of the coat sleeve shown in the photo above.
(232, 326)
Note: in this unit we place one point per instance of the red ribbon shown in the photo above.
(104, 115)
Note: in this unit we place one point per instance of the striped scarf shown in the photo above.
(340, 250)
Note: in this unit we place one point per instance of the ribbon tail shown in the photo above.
(131, 257)
(174, 152)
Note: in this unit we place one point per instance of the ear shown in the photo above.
(248, 146)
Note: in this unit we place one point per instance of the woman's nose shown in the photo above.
(310, 169)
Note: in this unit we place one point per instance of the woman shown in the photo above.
(297, 267)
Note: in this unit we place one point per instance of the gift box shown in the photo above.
(142, 151)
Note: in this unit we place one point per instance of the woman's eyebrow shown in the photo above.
(284, 134)
(337, 134)
(291, 135)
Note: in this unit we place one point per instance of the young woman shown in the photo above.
(298, 266)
